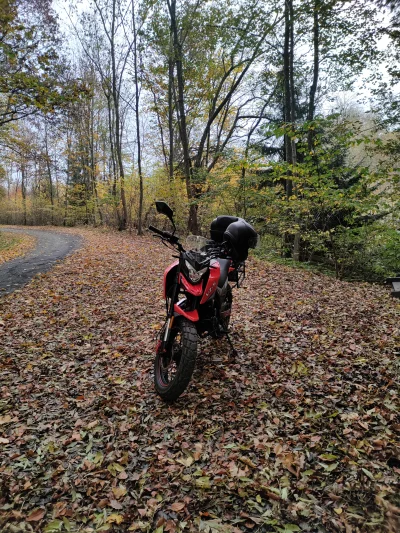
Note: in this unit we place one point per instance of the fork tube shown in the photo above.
(170, 314)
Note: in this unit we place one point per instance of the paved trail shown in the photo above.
(50, 247)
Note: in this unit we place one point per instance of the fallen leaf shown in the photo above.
(115, 505)
(119, 491)
(36, 515)
(203, 482)
(115, 519)
(178, 506)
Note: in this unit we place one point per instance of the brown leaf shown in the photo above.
(36, 515)
(247, 461)
(177, 506)
(115, 505)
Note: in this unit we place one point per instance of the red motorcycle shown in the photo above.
(198, 295)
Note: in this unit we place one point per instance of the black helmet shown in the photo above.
(240, 236)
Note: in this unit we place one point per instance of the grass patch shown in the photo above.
(7, 241)
(12, 245)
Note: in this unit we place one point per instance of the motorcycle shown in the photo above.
(198, 295)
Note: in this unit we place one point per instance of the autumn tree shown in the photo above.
(205, 80)
(31, 68)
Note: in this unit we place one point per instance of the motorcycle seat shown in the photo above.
(224, 265)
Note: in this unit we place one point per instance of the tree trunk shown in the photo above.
(313, 88)
(296, 243)
(137, 116)
(287, 93)
(160, 127)
(193, 225)
(23, 193)
(93, 167)
(171, 108)
(112, 148)
(68, 177)
(51, 192)
(118, 133)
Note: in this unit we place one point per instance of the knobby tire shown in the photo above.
(171, 391)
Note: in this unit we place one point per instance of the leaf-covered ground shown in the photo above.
(301, 433)
(12, 246)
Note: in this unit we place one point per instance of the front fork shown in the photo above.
(170, 314)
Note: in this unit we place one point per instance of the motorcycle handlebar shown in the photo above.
(165, 234)
(155, 230)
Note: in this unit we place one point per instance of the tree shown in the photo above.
(205, 78)
(104, 40)
(136, 68)
(338, 37)
(32, 73)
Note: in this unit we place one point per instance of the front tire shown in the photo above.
(173, 369)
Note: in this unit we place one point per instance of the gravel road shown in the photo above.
(50, 247)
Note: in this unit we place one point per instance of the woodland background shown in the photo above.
(283, 112)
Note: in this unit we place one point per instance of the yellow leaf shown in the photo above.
(5, 419)
(119, 381)
(203, 482)
(119, 491)
(115, 518)
(186, 462)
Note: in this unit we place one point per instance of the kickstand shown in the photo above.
(234, 353)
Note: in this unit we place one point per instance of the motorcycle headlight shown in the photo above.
(195, 275)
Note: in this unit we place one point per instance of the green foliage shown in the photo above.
(8, 241)
(344, 212)
(370, 252)
(33, 75)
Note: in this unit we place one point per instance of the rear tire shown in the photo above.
(173, 369)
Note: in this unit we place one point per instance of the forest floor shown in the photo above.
(12, 246)
(301, 433)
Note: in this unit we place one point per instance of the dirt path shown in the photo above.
(51, 247)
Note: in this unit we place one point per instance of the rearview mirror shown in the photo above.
(164, 209)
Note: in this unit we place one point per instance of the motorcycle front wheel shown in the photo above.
(173, 369)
